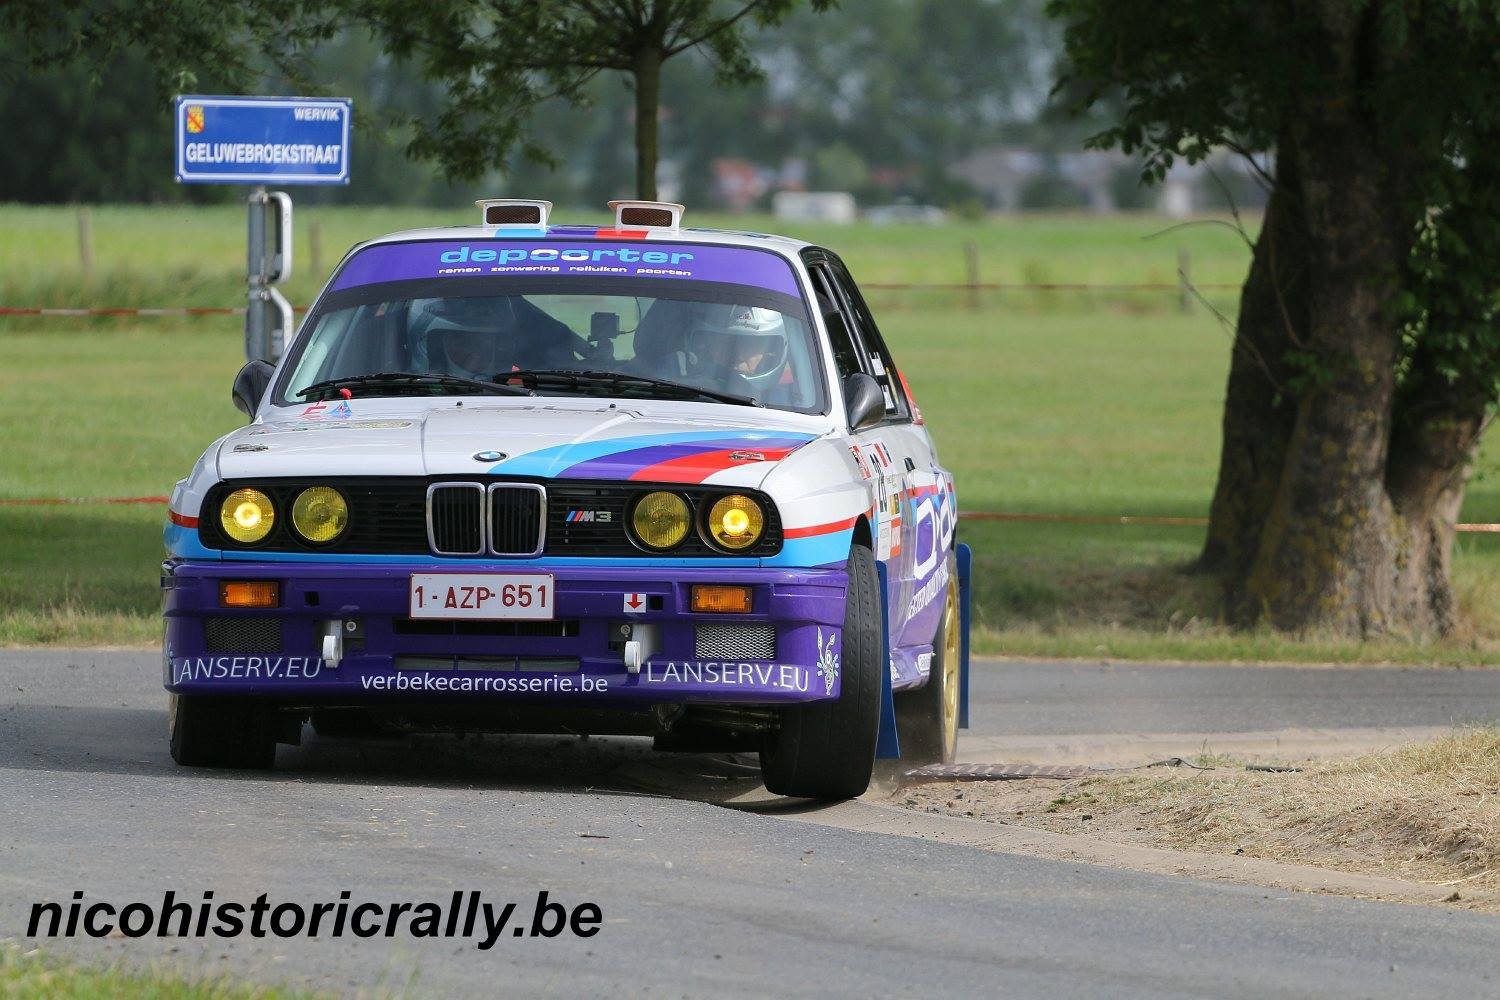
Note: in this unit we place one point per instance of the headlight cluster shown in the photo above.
(661, 521)
(319, 515)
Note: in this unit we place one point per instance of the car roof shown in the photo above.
(783, 245)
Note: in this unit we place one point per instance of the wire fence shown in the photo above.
(970, 291)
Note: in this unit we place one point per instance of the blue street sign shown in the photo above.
(263, 140)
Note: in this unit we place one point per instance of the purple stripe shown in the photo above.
(623, 463)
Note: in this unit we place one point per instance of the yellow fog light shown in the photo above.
(320, 514)
(661, 520)
(736, 522)
(247, 515)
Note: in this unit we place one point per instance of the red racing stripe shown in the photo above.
(621, 234)
(696, 468)
(819, 529)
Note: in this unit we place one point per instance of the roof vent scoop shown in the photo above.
(514, 213)
(647, 214)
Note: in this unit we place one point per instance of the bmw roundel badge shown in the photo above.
(489, 456)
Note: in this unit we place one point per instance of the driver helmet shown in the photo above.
(463, 350)
(748, 340)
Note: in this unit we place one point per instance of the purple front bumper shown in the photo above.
(577, 657)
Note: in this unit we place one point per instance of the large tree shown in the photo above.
(499, 59)
(1366, 353)
(185, 42)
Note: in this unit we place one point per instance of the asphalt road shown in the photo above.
(1024, 697)
(696, 899)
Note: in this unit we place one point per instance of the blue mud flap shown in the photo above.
(965, 568)
(887, 743)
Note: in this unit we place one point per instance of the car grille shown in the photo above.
(476, 518)
(516, 519)
(750, 641)
(242, 635)
(455, 519)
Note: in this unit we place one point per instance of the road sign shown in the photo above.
(262, 140)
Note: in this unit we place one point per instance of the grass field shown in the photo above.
(30, 975)
(1077, 403)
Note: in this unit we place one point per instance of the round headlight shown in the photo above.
(320, 514)
(661, 520)
(247, 516)
(736, 522)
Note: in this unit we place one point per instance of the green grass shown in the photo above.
(1049, 403)
(31, 975)
(138, 246)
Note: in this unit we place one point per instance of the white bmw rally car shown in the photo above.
(526, 477)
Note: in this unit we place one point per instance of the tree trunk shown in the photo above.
(1438, 425)
(1259, 406)
(647, 73)
(1327, 547)
(1338, 488)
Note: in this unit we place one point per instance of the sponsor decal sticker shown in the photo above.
(320, 410)
(238, 668)
(828, 661)
(422, 680)
(929, 591)
(579, 257)
(714, 673)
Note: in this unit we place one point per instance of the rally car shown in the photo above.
(525, 477)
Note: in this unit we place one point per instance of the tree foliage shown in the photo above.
(500, 59)
(1367, 356)
(186, 43)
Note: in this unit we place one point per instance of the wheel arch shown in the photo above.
(862, 533)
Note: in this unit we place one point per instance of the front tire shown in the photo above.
(927, 718)
(221, 732)
(826, 749)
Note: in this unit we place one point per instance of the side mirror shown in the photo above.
(250, 386)
(864, 402)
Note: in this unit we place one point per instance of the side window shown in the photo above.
(845, 354)
(878, 358)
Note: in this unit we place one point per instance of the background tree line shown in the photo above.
(878, 97)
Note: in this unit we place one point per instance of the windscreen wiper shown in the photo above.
(534, 378)
(401, 380)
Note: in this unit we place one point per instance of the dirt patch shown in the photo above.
(1425, 812)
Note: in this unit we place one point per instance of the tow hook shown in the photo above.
(643, 641)
(333, 643)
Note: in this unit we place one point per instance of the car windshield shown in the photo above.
(724, 338)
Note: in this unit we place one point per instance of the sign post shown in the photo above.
(260, 141)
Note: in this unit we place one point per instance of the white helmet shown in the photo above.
(746, 331)
(463, 350)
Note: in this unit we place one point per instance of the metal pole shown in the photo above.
(257, 316)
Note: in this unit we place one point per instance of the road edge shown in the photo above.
(865, 816)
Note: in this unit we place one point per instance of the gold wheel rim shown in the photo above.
(950, 667)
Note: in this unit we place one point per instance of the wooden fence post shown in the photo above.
(85, 241)
(1184, 281)
(971, 269)
(315, 247)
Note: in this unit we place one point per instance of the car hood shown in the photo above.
(525, 441)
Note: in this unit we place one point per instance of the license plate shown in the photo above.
(486, 596)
